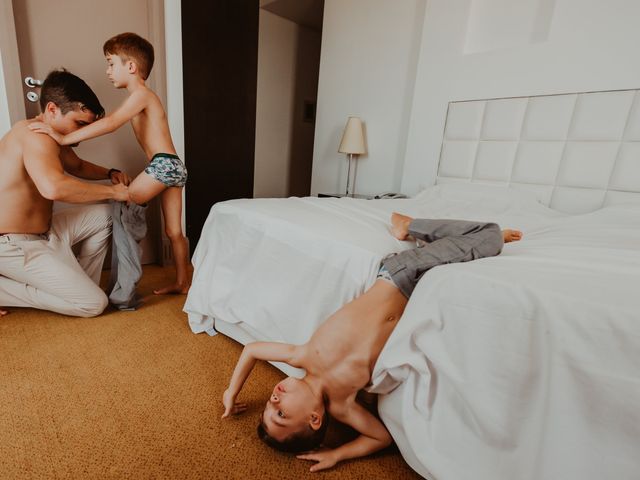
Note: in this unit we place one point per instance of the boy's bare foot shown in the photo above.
(511, 235)
(400, 225)
(3, 312)
(176, 288)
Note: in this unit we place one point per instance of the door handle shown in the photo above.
(32, 82)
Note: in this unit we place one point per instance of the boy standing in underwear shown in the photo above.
(130, 58)
(340, 356)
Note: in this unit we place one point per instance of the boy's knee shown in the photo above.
(135, 197)
(173, 234)
(138, 195)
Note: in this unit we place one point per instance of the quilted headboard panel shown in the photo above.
(576, 152)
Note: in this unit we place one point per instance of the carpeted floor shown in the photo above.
(137, 395)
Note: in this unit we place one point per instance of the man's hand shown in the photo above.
(120, 192)
(325, 458)
(41, 127)
(120, 177)
(231, 407)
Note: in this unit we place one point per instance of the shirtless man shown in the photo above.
(37, 266)
(340, 356)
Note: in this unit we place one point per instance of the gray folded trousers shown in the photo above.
(129, 227)
(448, 241)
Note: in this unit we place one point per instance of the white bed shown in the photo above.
(522, 366)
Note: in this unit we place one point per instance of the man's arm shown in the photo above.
(133, 105)
(269, 351)
(43, 164)
(80, 168)
(373, 437)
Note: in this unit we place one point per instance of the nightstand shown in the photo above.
(342, 195)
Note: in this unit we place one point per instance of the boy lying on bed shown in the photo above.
(340, 356)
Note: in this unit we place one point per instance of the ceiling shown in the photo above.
(304, 12)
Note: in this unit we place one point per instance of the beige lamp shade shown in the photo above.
(353, 137)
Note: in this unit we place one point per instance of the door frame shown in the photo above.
(11, 103)
(174, 85)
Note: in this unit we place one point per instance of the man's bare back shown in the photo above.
(33, 177)
(26, 210)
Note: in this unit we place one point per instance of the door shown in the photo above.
(220, 61)
(70, 34)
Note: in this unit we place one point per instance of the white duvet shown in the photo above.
(522, 366)
(527, 365)
(281, 266)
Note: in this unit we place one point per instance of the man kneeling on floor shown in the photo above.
(340, 356)
(38, 267)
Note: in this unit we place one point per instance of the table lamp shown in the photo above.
(352, 144)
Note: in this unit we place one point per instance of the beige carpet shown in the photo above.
(137, 395)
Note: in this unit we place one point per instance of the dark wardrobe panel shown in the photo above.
(220, 63)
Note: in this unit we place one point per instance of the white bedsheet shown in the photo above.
(527, 365)
(284, 265)
(522, 366)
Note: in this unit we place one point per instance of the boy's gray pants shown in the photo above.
(448, 241)
(129, 227)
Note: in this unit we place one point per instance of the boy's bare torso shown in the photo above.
(344, 349)
(151, 127)
(24, 209)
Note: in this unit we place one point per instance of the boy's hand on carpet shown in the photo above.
(231, 407)
(325, 458)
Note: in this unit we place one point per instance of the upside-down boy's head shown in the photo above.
(294, 418)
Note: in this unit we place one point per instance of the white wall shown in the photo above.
(173, 52)
(274, 104)
(175, 101)
(571, 46)
(367, 68)
(288, 58)
(303, 131)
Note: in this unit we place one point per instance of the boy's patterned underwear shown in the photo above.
(168, 169)
(383, 274)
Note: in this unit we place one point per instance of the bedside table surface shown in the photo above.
(342, 195)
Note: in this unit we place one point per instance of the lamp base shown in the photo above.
(349, 160)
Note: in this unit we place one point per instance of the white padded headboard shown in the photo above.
(576, 152)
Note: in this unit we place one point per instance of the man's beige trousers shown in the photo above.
(58, 271)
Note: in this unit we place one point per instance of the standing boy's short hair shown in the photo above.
(130, 46)
(68, 92)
